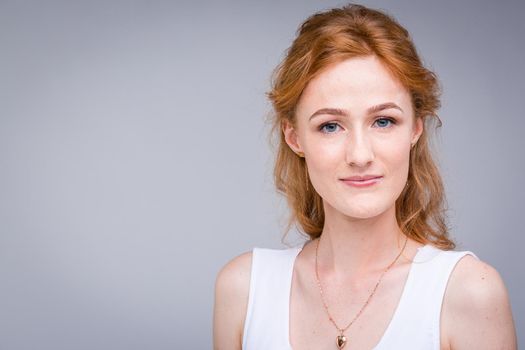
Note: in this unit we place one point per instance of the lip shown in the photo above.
(360, 178)
(362, 181)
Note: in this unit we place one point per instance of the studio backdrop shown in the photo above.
(135, 162)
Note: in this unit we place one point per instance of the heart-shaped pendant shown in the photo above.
(341, 341)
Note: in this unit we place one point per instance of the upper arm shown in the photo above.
(232, 287)
(476, 308)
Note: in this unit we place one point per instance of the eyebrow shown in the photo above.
(342, 112)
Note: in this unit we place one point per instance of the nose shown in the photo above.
(359, 150)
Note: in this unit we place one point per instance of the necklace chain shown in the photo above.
(342, 330)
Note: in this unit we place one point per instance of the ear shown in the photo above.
(417, 130)
(291, 137)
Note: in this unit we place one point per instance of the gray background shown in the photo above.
(135, 163)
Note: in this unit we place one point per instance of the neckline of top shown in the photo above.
(401, 301)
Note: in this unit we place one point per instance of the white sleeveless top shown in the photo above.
(416, 317)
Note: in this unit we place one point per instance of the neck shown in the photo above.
(351, 247)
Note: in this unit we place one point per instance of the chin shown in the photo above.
(360, 205)
(363, 211)
(364, 214)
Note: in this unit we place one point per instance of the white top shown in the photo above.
(416, 317)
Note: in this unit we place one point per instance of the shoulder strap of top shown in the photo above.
(269, 296)
(419, 310)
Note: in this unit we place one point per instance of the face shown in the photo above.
(355, 119)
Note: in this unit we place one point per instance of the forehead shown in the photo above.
(354, 84)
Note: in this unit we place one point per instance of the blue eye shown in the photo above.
(330, 130)
(384, 122)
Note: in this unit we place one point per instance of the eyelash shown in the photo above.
(391, 120)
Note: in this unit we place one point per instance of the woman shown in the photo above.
(353, 105)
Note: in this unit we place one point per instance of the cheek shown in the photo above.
(324, 155)
(397, 160)
(324, 164)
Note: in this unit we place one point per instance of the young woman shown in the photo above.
(353, 105)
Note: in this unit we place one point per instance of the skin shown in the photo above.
(361, 236)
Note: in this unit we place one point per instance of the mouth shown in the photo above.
(362, 182)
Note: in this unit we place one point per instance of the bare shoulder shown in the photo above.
(476, 310)
(233, 279)
(475, 282)
(232, 287)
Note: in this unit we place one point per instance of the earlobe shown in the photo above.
(290, 136)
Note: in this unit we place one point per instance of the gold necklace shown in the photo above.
(341, 338)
